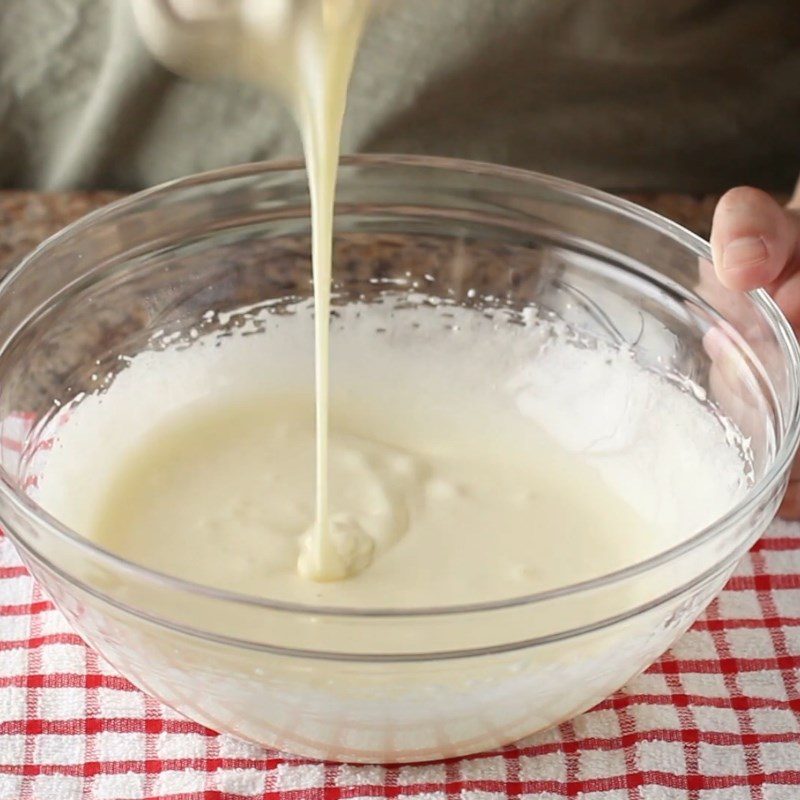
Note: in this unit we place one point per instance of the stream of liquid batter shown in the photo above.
(303, 50)
(332, 28)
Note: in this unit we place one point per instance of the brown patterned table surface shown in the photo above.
(26, 218)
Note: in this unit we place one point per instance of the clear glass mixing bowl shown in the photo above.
(471, 233)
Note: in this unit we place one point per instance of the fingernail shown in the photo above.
(745, 252)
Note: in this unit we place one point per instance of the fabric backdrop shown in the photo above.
(693, 95)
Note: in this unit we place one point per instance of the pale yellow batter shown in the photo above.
(471, 459)
(223, 494)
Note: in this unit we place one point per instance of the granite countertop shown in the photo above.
(26, 218)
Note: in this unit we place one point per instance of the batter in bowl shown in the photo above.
(441, 516)
(456, 475)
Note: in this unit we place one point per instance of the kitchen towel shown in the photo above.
(716, 718)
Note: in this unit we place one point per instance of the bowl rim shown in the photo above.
(767, 483)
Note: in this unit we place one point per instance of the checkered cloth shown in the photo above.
(717, 718)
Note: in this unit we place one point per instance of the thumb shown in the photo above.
(753, 239)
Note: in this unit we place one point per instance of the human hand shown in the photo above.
(756, 244)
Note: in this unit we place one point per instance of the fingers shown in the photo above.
(790, 507)
(753, 239)
(756, 243)
(787, 296)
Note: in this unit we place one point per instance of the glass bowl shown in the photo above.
(115, 283)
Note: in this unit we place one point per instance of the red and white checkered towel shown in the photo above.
(717, 718)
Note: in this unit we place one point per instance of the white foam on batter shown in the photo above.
(654, 444)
